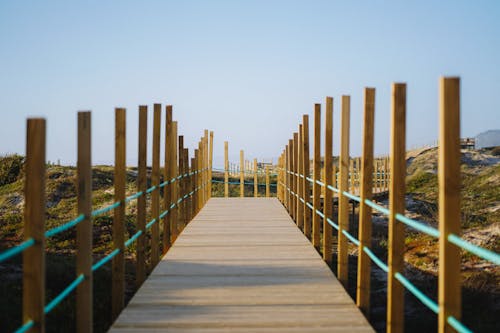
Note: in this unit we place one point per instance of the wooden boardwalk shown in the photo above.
(241, 266)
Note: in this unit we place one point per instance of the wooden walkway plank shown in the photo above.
(241, 265)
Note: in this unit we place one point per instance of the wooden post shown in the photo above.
(290, 177)
(316, 176)
(268, 190)
(193, 187)
(286, 178)
(255, 179)
(197, 180)
(206, 173)
(395, 290)
(211, 157)
(306, 171)
(118, 273)
(365, 212)
(328, 202)
(352, 177)
(188, 186)
(295, 177)
(343, 215)
(142, 184)
(155, 181)
(450, 298)
(182, 216)
(84, 317)
(168, 174)
(300, 205)
(34, 226)
(242, 174)
(174, 188)
(226, 170)
(199, 177)
(334, 176)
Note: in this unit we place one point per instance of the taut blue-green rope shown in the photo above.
(9, 253)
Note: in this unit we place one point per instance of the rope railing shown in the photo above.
(18, 249)
(424, 228)
(428, 302)
(192, 185)
(295, 180)
(68, 225)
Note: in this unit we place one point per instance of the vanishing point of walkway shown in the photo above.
(241, 266)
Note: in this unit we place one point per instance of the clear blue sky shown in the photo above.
(246, 69)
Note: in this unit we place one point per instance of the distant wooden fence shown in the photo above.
(246, 169)
(304, 202)
(186, 187)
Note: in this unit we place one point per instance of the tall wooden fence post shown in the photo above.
(268, 190)
(290, 178)
(286, 178)
(328, 202)
(300, 205)
(142, 184)
(189, 216)
(365, 212)
(206, 139)
(182, 181)
(226, 170)
(450, 298)
(242, 174)
(255, 179)
(84, 315)
(155, 181)
(34, 226)
(295, 175)
(343, 215)
(118, 273)
(174, 188)
(395, 290)
(168, 174)
(210, 166)
(316, 177)
(306, 170)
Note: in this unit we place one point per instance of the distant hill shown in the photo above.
(489, 138)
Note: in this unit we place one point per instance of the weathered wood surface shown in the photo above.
(241, 265)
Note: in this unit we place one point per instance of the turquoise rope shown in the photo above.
(350, 237)
(238, 183)
(309, 205)
(162, 215)
(376, 259)
(333, 224)
(418, 225)
(104, 260)
(150, 224)
(331, 188)
(417, 293)
(379, 208)
(428, 302)
(474, 249)
(133, 197)
(9, 253)
(105, 209)
(351, 196)
(26, 327)
(133, 238)
(151, 189)
(59, 298)
(64, 227)
(457, 325)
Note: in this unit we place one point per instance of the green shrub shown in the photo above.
(11, 167)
